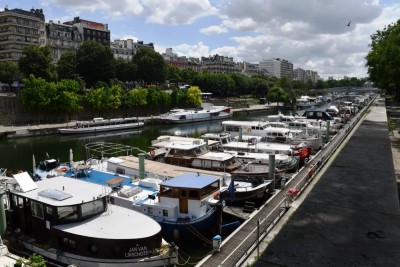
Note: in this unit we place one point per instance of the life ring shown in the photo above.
(216, 195)
(152, 152)
(63, 169)
(20, 171)
(249, 130)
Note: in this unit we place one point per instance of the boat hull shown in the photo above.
(98, 129)
(77, 260)
(187, 229)
(210, 118)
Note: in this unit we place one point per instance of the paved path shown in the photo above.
(352, 215)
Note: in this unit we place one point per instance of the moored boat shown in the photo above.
(70, 221)
(102, 125)
(205, 113)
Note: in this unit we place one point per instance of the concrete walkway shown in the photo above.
(352, 215)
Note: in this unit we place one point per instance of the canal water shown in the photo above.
(16, 154)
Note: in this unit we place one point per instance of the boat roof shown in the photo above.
(165, 140)
(115, 223)
(218, 156)
(190, 180)
(246, 123)
(69, 191)
(185, 145)
(259, 145)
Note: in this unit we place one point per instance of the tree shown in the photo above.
(37, 61)
(150, 66)
(66, 66)
(124, 70)
(105, 98)
(383, 61)
(69, 98)
(35, 95)
(8, 71)
(136, 98)
(277, 94)
(95, 62)
(194, 96)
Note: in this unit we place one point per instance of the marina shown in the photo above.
(279, 201)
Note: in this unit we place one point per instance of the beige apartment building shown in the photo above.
(19, 29)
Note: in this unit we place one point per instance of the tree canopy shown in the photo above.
(383, 61)
(37, 61)
(95, 62)
(150, 66)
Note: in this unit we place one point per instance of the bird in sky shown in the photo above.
(348, 24)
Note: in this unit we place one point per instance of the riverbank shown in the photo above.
(46, 129)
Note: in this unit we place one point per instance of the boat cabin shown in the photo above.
(182, 198)
(69, 215)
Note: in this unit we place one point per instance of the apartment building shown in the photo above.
(126, 49)
(277, 67)
(91, 30)
(61, 38)
(219, 64)
(19, 29)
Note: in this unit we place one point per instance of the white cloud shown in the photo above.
(216, 29)
(177, 11)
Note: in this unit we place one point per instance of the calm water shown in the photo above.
(16, 154)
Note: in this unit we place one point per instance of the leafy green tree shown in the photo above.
(277, 94)
(66, 66)
(124, 70)
(383, 61)
(69, 98)
(105, 98)
(150, 66)
(242, 84)
(173, 74)
(8, 71)
(136, 97)
(259, 86)
(37, 61)
(35, 96)
(194, 96)
(95, 62)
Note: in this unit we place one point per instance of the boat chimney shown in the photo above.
(141, 165)
(271, 171)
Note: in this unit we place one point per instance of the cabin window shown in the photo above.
(68, 243)
(165, 191)
(92, 208)
(37, 209)
(49, 210)
(194, 194)
(165, 213)
(150, 210)
(120, 170)
(93, 249)
(183, 193)
(68, 213)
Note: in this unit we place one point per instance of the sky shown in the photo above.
(312, 34)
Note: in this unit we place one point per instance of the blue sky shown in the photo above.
(311, 34)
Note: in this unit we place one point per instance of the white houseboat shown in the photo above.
(206, 113)
(102, 125)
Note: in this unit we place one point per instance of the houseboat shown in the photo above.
(69, 221)
(102, 125)
(205, 113)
